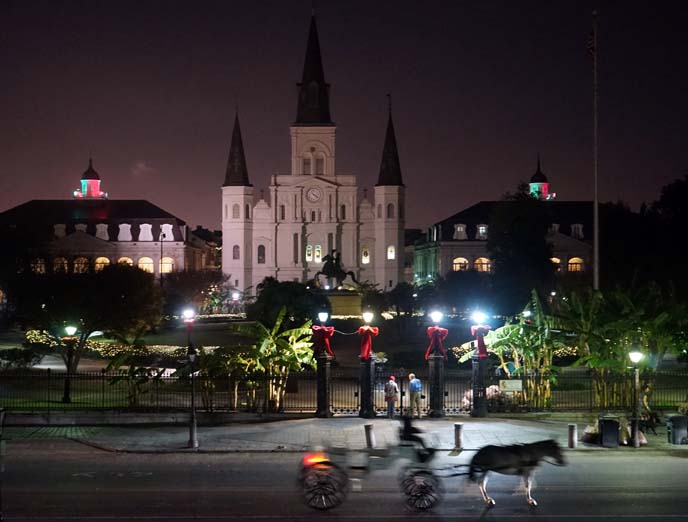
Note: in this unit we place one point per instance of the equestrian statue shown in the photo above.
(332, 269)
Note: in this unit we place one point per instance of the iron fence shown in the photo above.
(40, 390)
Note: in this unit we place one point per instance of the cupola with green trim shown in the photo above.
(539, 186)
(90, 184)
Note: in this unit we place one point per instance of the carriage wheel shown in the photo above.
(325, 486)
(421, 489)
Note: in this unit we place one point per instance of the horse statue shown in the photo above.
(332, 268)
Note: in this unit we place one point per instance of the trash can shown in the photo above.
(677, 429)
(608, 427)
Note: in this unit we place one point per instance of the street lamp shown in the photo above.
(368, 317)
(636, 356)
(479, 329)
(367, 376)
(189, 317)
(436, 316)
(70, 341)
(323, 317)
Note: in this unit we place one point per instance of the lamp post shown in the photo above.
(323, 355)
(70, 341)
(366, 333)
(636, 357)
(478, 330)
(436, 356)
(189, 317)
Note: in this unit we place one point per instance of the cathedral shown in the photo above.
(314, 212)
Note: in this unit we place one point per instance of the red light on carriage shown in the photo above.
(310, 459)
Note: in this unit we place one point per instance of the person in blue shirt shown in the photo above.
(415, 388)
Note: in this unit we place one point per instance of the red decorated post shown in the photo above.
(322, 351)
(366, 333)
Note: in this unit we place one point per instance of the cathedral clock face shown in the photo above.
(313, 194)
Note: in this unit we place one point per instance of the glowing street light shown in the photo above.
(323, 317)
(235, 296)
(636, 356)
(436, 316)
(189, 317)
(368, 316)
(478, 317)
(71, 330)
(527, 313)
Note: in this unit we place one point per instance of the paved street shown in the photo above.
(58, 479)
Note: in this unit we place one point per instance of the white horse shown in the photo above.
(518, 459)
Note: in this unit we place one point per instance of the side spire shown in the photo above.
(390, 169)
(237, 172)
(313, 107)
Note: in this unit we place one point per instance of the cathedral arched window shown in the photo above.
(391, 252)
(306, 166)
(390, 211)
(235, 211)
(248, 211)
(365, 255)
(236, 251)
(283, 212)
(146, 264)
(261, 254)
(101, 262)
(317, 257)
(319, 166)
(313, 214)
(309, 253)
(81, 265)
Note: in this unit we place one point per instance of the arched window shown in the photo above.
(125, 261)
(379, 210)
(101, 262)
(225, 211)
(306, 167)
(313, 214)
(365, 255)
(235, 211)
(261, 254)
(248, 211)
(557, 263)
(390, 211)
(166, 265)
(309, 253)
(236, 251)
(482, 264)
(391, 252)
(38, 266)
(146, 264)
(81, 265)
(459, 264)
(575, 264)
(59, 264)
(319, 166)
(342, 212)
(318, 254)
(283, 212)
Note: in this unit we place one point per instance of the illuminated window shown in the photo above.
(261, 254)
(391, 252)
(60, 264)
(166, 265)
(459, 263)
(235, 211)
(146, 264)
(236, 251)
(482, 264)
(38, 266)
(81, 265)
(101, 262)
(557, 263)
(482, 232)
(390, 211)
(125, 261)
(460, 231)
(365, 255)
(306, 166)
(318, 254)
(309, 253)
(575, 264)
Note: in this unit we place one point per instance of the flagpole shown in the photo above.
(596, 216)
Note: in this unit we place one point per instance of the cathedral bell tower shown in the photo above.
(237, 215)
(389, 215)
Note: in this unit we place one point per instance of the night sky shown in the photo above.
(479, 88)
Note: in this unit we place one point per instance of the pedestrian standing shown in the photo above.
(415, 387)
(391, 395)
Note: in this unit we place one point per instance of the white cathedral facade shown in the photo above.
(313, 211)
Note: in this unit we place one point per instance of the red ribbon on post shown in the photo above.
(367, 333)
(436, 334)
(321, 340)
(479, 331)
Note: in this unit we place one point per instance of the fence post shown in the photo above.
(458, 435)
(573, 436)
(369, 435)
(102, 387)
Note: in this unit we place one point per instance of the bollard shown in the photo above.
(458, 435)
(369, 435)
(573, 435)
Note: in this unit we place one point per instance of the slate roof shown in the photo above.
(90, 172)
(313, 107)
(237, 172)
(54, 211)
(390, 169)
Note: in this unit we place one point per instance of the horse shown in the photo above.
(517, 459)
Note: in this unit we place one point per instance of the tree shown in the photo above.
(120, 299)
(198, 288)
(517, 243)
(299, 302)
(466, 290)
(276, 352)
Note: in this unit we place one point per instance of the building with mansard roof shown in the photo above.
(459, 242)
(315, 210)
(91, 231)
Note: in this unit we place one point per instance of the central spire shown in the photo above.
(313, 106)
(237, 173)
(390, 169)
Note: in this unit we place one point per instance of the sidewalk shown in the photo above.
(294, 435)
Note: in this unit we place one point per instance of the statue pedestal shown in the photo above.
(343, 302)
